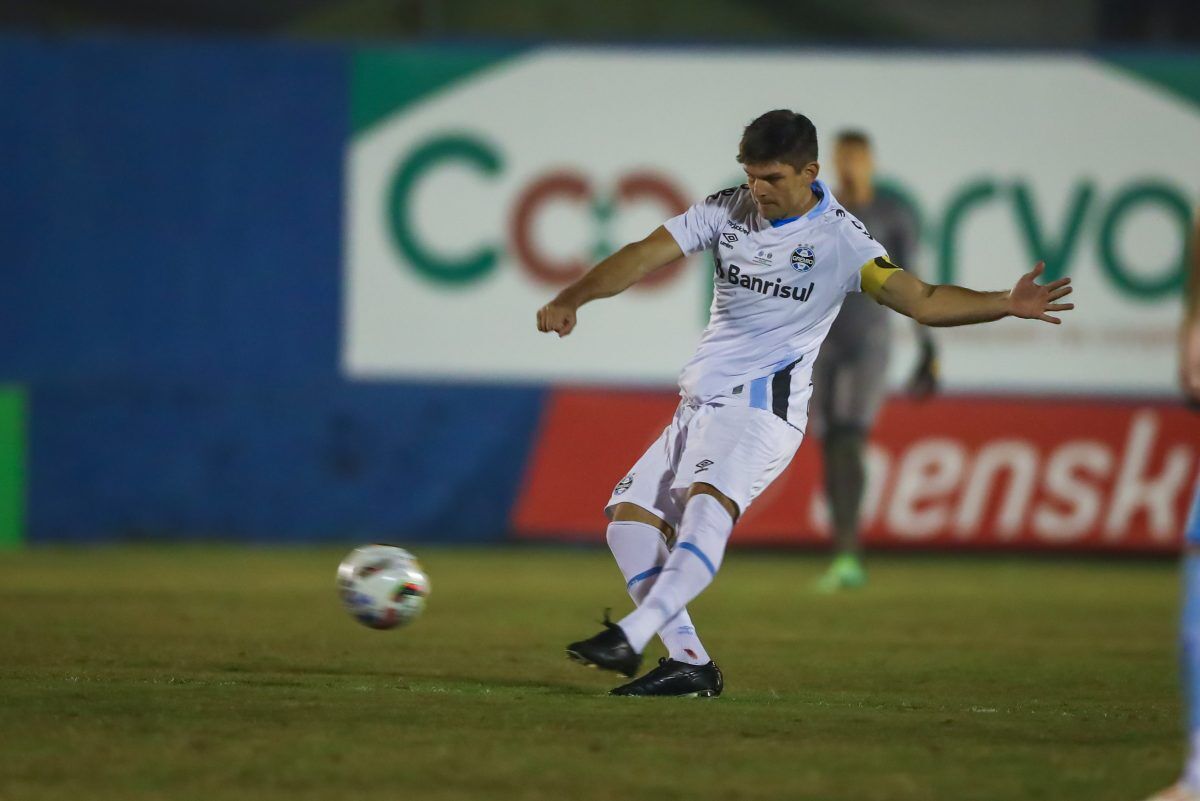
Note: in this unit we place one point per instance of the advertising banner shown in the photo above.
(959, 472)
(479, 185)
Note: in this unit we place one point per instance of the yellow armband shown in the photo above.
(874, 273)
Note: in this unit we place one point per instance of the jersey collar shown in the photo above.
(822, 191)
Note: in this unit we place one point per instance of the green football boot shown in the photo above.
(846, 573)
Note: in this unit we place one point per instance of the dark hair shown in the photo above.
(854, 136)
(779, 135)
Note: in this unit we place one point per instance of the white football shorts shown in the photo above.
(738, 449)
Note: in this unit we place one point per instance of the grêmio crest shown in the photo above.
(803, 258)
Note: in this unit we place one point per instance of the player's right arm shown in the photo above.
(610, 277)
(687, 233)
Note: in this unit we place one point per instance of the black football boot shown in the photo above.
(609, 650)
(677, 679)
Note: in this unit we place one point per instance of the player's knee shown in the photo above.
(701, 488)
(632, 513)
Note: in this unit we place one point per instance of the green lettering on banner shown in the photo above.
(421, 161)
(12, 467)
(974, 193)
(1146, 193)
(1057, 255)
(603, 211)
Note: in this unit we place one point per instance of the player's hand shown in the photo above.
(1032, 301)
(1189, 359)
(924, 381)
(556, 316)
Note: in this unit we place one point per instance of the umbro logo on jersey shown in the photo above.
(729, 237)
(803, 258)
(703, 465)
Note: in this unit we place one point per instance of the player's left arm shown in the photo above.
(948, 304)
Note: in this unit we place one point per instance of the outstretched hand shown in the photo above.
(1032, 301)
(557, 317)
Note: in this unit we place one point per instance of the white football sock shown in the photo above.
(703, 534)
(641, 553)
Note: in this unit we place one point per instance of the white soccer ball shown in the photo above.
(382, 586)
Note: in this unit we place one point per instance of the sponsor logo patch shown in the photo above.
(623, 485)
(773, 289)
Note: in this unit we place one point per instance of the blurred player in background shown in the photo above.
(785, 255)
(1188, 787)
(850, 376)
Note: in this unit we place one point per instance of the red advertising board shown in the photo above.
(953, 472)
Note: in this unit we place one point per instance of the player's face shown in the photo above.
(780, 190)
(853, 164)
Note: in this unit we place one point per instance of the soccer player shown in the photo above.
(786, 253)
(1188, 787)
(850, 378)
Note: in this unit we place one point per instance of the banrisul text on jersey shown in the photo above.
(764, 287)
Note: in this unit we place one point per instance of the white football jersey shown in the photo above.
(777, 290)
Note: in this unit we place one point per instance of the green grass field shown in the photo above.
(222, 673)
